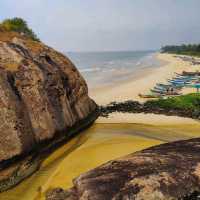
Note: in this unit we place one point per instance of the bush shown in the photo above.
(187, 102)
(18, 25)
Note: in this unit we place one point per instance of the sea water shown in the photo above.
(105, 68)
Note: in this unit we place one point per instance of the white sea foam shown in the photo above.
(138, 63)
(90, 69)
(108, 67)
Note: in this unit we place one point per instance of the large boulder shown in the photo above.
(42, 96)
(168, 171)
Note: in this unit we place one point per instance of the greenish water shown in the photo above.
(91, 148)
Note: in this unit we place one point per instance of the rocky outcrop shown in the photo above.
(167, 171)
(131, 106)
(42, 94)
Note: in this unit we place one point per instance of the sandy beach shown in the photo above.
(130, 89)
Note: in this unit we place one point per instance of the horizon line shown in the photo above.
(109, 51)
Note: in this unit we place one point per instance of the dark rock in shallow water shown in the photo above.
(168, 171)
(147, 107)
(43, 99)
(125, 107)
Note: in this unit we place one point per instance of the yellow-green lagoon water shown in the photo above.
(93, 147)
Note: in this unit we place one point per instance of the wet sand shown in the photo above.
(150, 119)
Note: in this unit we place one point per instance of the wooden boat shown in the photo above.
(150, 96)
(165, 92)
(195, 85)
(167, 89)
(177, 74)
(177, 87)
(158, 91)
(197, 73)
(161, 88)
(186, 78)
(179, 82)
(163, 85)
(182, 78)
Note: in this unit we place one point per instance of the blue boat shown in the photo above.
(196, 85)
(175, 82)
(185, 78)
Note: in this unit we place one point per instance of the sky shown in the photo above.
(108, 25)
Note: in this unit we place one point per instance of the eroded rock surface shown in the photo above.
(168, 171)
(41, 95)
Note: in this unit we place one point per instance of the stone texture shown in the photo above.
(41, 95)
(168, 171)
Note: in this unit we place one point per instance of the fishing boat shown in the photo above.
(163, 85)
(195, 85)
(197, 73)
(184, 77)
(179, 82)
(165, 92)
(157, 91)
(189, 78)
(161, 88)
(150, 96)
(178, 87)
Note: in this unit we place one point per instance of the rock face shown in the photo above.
(41, 95)
(168, 171)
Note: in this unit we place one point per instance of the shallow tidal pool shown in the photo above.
(91, 148)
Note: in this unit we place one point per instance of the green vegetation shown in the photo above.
(190, 102)
(190, 49)
(18, 25)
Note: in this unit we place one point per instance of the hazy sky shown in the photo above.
(96, 25)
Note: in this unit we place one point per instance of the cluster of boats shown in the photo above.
(173, 86)
(192, 60)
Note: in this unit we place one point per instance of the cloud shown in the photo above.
(108, 24)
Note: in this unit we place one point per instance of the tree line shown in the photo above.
(187, 49)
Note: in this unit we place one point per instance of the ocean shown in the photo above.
(106, 68)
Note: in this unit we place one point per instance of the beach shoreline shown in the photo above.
(138, 69)
(129, 90)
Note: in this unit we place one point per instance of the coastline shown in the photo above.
(130, 89)
(145, 80)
